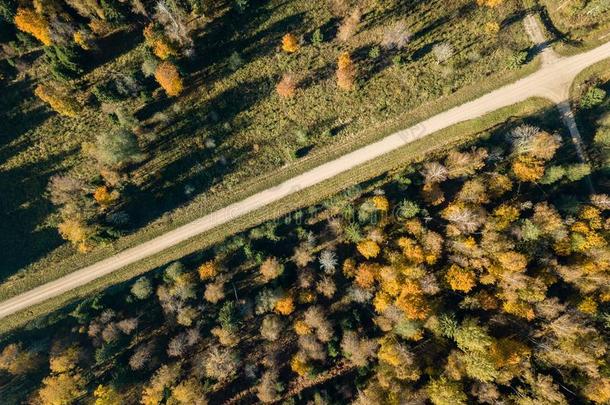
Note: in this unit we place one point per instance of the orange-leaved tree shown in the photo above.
(168, 77)
(58, 100)
(290, 43)
(34, 24)
(490, 3)
(346, 72)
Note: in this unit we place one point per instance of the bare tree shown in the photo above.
(396, 37)
(358, 351)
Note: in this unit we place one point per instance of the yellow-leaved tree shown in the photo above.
(290, 43)
(30, 21)
(58, 99)
(168, 77)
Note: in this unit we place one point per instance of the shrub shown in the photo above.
(317, 37)
(290, 43)
(168, 77)
(286, 88)
(58, 99)
(235, 61)
(592, 98)
(517, 59)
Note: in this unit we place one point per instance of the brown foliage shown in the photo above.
(348, 27)
(287, 87)
(346, 72)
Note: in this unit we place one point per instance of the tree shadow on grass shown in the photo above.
(15, 116)
(549, 25)
(22, 209)
(226, 35)
(199, 169)
(111, 47)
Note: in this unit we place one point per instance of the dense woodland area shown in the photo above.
(139, 107)
(477, 275)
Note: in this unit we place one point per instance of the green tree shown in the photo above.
(64, 61)
(578, 171)
(117, 148)
(592, 98)
(142, 288)
(442, 391)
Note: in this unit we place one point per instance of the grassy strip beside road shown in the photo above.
(430, 145)
(571, 38)
(601, 69)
